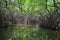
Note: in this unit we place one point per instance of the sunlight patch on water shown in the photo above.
(10, 38)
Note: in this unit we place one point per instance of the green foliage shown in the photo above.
(30, 6)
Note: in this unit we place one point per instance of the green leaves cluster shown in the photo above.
(29, 6)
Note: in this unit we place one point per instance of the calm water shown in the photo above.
(28, 33)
